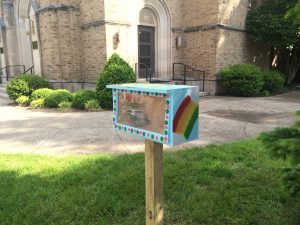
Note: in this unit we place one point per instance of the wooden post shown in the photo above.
(154, 182)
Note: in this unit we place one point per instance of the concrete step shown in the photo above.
(202, 94)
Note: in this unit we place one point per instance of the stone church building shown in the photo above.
(70, 40)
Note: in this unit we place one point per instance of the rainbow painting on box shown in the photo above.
(167, 114)
(185, 117)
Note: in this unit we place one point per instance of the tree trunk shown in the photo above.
(272, 57)
(292, 64)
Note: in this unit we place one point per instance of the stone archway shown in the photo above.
(27, 35)
(35, 41)
(23, 32)
(162, 32)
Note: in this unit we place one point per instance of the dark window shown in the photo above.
(145, 36)
(35, 45)
(145, 50)
(1, 51)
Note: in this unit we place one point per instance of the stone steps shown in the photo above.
(202, 94)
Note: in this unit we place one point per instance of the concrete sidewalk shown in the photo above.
(222, 119)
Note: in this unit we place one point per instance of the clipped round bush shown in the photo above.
(17, 88)
(92, 105)
(26, 84)
(41, 93)
(58, 96)
(65, 106)
(273, 81)
(23, 100)
(37, 104)
(242, 80)
(116, 71)
(82, 97)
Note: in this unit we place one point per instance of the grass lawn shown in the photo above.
(236, 183)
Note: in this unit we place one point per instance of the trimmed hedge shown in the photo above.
(242, 80)
(116, 71)
(41, 93)
(25, 84)
(65, 106)
(273, 81)
(17, 88)
(250, 80)
(92, 105)
(58, 96)
(37, 104)
(80, 98)
(23, 100)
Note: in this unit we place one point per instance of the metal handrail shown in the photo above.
(147, 69)
(6, 69)
(30, 69)
(188, 67)
(185, 75)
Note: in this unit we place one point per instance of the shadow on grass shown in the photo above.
(231, 184)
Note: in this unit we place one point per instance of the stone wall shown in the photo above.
(73, 41)
(93, 38)
(1, 8)
(122, 47)
(200, 50)
(199, 13)
(233, 12)
(77, 36)
(44, 3)
(237, 47)
(93, 53)
(91, 11)
(60, 37)
(234, 44)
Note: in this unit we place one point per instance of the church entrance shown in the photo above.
(146, 51)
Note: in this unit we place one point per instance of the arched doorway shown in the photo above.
(28, 36)
(147, 39)
(153, 34)
(23, 31)
(35, 43)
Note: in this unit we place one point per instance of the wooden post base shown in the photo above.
(154, 182)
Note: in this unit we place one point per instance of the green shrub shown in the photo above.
(285, 143)
(265, 93)
(23, 100)
(116, 71)
(26, 84)
(17, 88)
(82, 97)
(273, 81)
(92, 105)
(297, 125)
(41, 93)
(297, 113)
(37, 104)
(242, 80)
(65, 106)
(58, 96)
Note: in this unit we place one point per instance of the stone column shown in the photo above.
(10, 39)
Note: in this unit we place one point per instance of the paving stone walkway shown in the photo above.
(222, 119)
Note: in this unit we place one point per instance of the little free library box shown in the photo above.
(166, 114)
